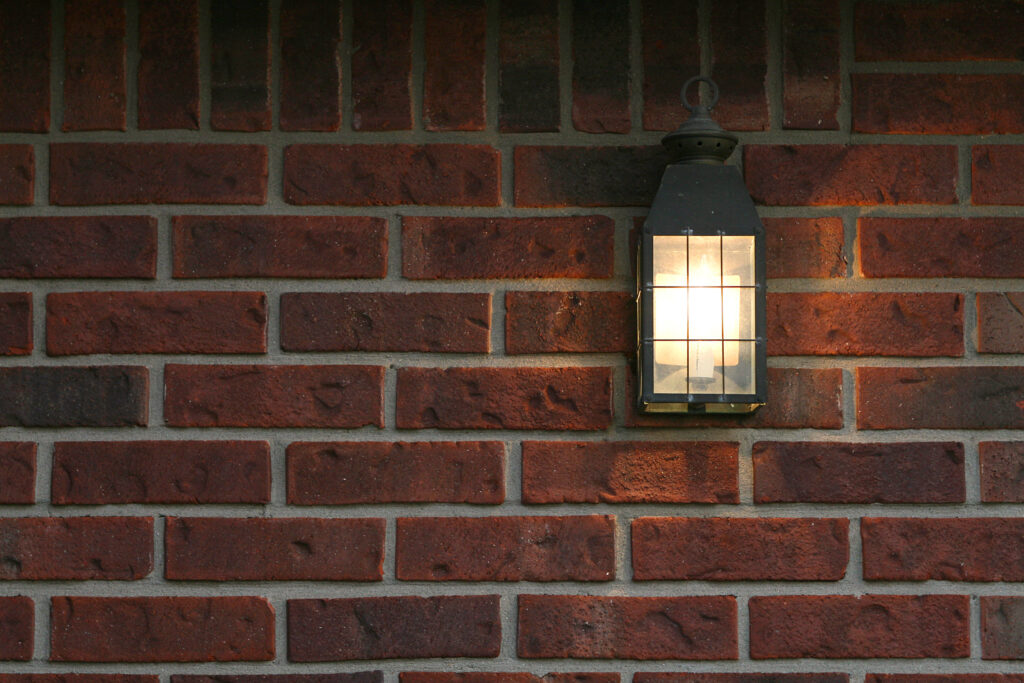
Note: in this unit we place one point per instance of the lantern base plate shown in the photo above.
(700, 408)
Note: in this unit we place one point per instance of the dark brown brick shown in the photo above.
(240, 65)
(1002, 471)
(280, 246)
(217, 549)
(1002, 627)
(65, 396)
(382, 65)
(739, 678)
(83, 173)
(25, 64)
(17, 174)
(740, 63)
(161, 629)
(815, 472)
(488, 677)
(630, 472)
(17, 624)
(168, 64)
(467, 248)
(504, 398)
(347, 473)
(453, 71)
(805, 247)
(386, 321)
(339, 396)
(600, 70)
(587, 176)
(388, 175)
(393, 627)
(15, 323)
(310, 65)
(1000, 322)
(997, 175)
(506, 548)
(859, 175)
(156, 322)
(94, 65)
(940, 398)
(587, 627)
(79, 247)
(117, 472)
(528, 67)
(941, 247)
(17, 473)
(865, 324)
(79, 678)
(554, 322)
(810, 65)
(359, 677)
(868, 626)
(943, 678)
(668, 60)
(723, 549)
(76, 548)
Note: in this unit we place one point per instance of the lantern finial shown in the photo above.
(699, 140)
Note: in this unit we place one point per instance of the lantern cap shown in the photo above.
(699, 140)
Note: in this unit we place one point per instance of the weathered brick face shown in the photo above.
(318, 327)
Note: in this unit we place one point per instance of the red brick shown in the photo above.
(600, 68)
(528, 67)
(117, 472)
(997, 174)
(947, 31)
(815, 472)
(487, 677)
(280, 246)
(168, 64)
(1002, 471)
(453, 71)
(1002, 627)
(585, 627)
(240, 65)
(359, 677)
(506, 548)
(339, 396)
(403, 627)
(504, 398)
(15, 323)
(667, 60)
(630, 472)
(94, 65)
(859, 175)
(466, 248)
(1000, 322)
(76, 548)
(66, 396)
(386, 321)
(388, 175)
(78, 247)
(25, 64)
(17, 173)
(79, 678)
(943, 678)
(739, 678)
(587, 176)
(310, 65)
(161, 629)
(805, 247)
(868, 626)
(83, 173)
(986, 549)
(218, 549)
(554, 322)
(382, 65)
(723, 549)
(940, 398)
(17, 624)
(941, 247)
(347, 473)
(156, 322)
(17, 473)
(796, 398)
(810, 65)
(740, 63)
(865, 324)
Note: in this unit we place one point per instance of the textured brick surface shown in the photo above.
(810, 65)
(813, 472)
(25, 63)
(310, 65)
(17, 174)
(740, 63)
(805, 247)
(240, 65)
(1002, 471)
(168, 66)
(94, 396)
(94, 65)
(17, 473)
(723, 549)
(600, 70)
(869, 626)
(453, 72)
(1000, 322)
(630, 472)
(554, 322)
(740, 678)
(15, 323)
(528, 67)
(393, 627)
(506, 548)
(112, 472)
(489, 677)
(79, 678)
(943, 678)
(340, 396)
(1002, 627)
(382, 65)
(359, 677)
(997, 175)
(667, 60)
(586, 627)
(161, 629)
(17, 621)
(587, 176)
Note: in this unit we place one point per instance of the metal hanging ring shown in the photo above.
(698, 79)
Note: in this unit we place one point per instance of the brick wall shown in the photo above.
(317, 341)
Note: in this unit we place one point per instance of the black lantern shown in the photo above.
(701, 279)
